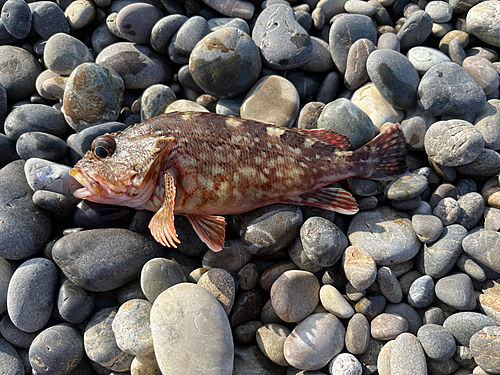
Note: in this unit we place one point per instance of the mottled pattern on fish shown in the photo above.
(203, 164)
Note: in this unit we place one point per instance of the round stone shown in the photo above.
(388, 326)
(92, 96)
(447, 210)
(485, 345)
(295, 295)
(40, 145)
(454, 142)
(487, 164)
(18, 72)
(344, 117)
(456, 291)
(164, 30)
(233, 256)
(439, 11)
(427, 227)
(138, 65)
(421, 293)
(314, 341)
(132, 328)
(31, 294)
(471, 209)
(406, 187)
(483, 21)
(272, 100)
(80, 13)
(320, 60)
(436, 86)
(221, 285)
(333, 301)
(485, 122)
(463, 325)
(407, 356)
(63, 53)
(16, 18)
(135, 22)
(225, 63)
(415, 30)
(424, 58)
(48, 19)
(186, 38)
(10, 359)
(155, 100)
(159, 274)
(56, 350)
(483, 72)
(357, 337)
(271, 339)
(393, 242)
(345, 364)
(394, 77)
(74, 303)
(438, 342)
(180, 330)
(271, 273)
(283, 42)
(371, 306)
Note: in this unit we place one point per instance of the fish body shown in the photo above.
(205, 165)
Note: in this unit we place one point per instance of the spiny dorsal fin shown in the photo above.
(339, 141)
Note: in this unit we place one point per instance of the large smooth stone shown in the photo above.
(191, 332)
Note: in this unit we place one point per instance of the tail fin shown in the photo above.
(386, 153)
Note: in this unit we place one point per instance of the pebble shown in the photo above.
(79, 14)
(320, 59)
(407, 312)
(10, 361)
(159, 274)
(164, 30)
(490, 305)
(247, 306)
(428, 228)
(447, 210)
(57, 349)
(90, 269)
(221, 285)
(439, 11)
(233, 8)
(388, 326)
(369, 358)
(225, 63)
(314, 341)
(248, 359)
(333, 301)
(437, 342)
(344, 117)
(14, 335)
(421, 292)
(424, 58)
(483, 72)
(84, 107)
(482, 22)
(30, 296)
(74, 304)
(357, 337)
(6, 271)
(271, 339)
(463, 325)
(48, 19)
(456, 52)
(345, 364)
(135, 22)
(389, 41)
(484, 122)
(456, 291)
(389, 285)
(155, 100)
(487, 164)
(40, 145)
(406, 187)
(355, 72)
(371, 306)
(180, 329)
(415, 30)
(186, 38)
(407, 356)
(16, 18)
(471, 209)
(282, 41)
(63, 53)
(485, 345)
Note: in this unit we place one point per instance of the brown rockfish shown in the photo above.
(204, 165)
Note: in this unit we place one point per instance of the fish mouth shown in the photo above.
(91, 188)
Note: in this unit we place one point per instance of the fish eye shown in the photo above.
(103, 146)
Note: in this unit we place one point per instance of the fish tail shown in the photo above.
(385, 155)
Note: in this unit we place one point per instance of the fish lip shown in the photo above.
(91, 187)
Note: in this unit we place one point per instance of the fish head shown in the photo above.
(122, 170)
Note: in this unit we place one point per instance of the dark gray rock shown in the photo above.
(407, 312)
(6, 272)
(307, 84)
(329, 88)
(447, 89)
(155, 100)
(31, 294)
(484, 247)
(357, 336)
(371, 306)
(63, 53)
(74, 303)
(104, 259)
(415, 30)
(249, 360)
(320, 60)
(14, 335)
(434, 315)
(56, 350)
(40, 145)
(10, 361)
(487, 164)
(389, 285)
(427, 227)
(135, 22)
(456, 291)
(463, 325)
(421, 293)
(247, 306)
(102, 38)
(164, 30)
(369, 358)
(283, 42)
(16, 17)
(48, 19)
(158, 275)
(186, 38)
(129, 291)
(471, 210)
(447, 210)
(233, 256)
(355, 72)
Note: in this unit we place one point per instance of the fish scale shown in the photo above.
(205, 165)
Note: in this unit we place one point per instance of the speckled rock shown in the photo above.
(437, 342)
(48, 19)
(463, 325)
(371, 306)
(135, 22)
(80, 13)
(345, 364)
(487, 164)
(357, 335)
(155, 100)
(484, 247)
(407, 356)
(485, 346)
(83, 104)
(421, 292)
(159, 274)
(388, 326)
(427, 227)
(16, 18)
(221, 285)
(63, 53)
(406, 187)
(180, 329)
(482, 22)
(271, 339)
(456, 291)
(490, 304)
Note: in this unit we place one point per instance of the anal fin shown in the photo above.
(210, 229)
(162, 224)
(329, 198)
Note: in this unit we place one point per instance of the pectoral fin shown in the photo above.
(210, 229)
(162, 224)
(328, 198)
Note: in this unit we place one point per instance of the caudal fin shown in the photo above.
(386, 153)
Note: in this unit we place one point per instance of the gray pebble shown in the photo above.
(421, 293)
(298, 255)
(6, 272)
(219, 23)
(14, 335)
(10, 361)
(159, 274)
(439, 11)
(320, 59)
(406, 187)
(483, 246)
(484, 122)
(155, 100)
(369, 358)
(415, 30)
(129, 291)
(164, 30)
(447, 210)
(456, 291)
(427, 227)
(245, 333)
(247, 306)
(434, 315)
(359, 267)
(56, 350)
(135, 22)
(355, 72)
(407, 312)
(345, 364)
(249, 359)
(407, 279)
(389, 41)
(483, 72)
(471, 209)
(63, 53)
(357, 336)
(371, 306)
(389, 285)
(467, 265)
(424, 58)
(388, 326)
(233, 256)
(407, 356)
(221, 285)
(31, 294)
(456, 52)
(40, 145)
(186, 38)
(463, 325)
(329, 88)
(48, 19)
(16, 18)
(248, 276)
(74, 303)
(487, 164)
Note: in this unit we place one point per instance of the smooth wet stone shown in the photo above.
(270, 229)
(247, 306)
(437, 342)
(485, 346)
(63, 53)
(388, 326)
(294, 295)
(273, 100)
(249, 360)
(138, 65)
(484, 247)
(482, 22)
(427, 227)
(355, 72)
(10, 361)
(84, 105)
(393, 241)
(394, 77)
(415, 30)
(186, 38)
(421, 293)
(424, 58)
(100, 342)
(221, 285)
(389, 285)
(40, 145)
(183, 330)
(132, 329)
(314, 341)
(357, 337)
(48, 19)
(74, 303)
(371, 306)
(82, 257)
(453, 143)
(435, 98)
(333, 301)
(483, 72)
(407, 356)
(232, 8)
(343, 117)
(225, 63)
(463, 325)
(345, 364)
(35, 117)
(135, 22)
(456, 291)
(56, 350)
(233, 256)
(159, 274)
(371, 101)
(271, 339)
(283, 42)
(164, 30)
(30, 296)
(16, 18)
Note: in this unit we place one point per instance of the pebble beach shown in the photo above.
(409, 285)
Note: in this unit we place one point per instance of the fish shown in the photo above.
(206, 166)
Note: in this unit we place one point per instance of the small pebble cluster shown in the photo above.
(409, 285)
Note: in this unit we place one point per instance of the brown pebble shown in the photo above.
(270, 275)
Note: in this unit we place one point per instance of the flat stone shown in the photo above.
(388, 326)
(438, 342)
(357, 337)
(233, 8)
(180, 329)
(159, 274)
(406, 187)
(40, 145)
(355, 73)
(427, 227)
(48, 19)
